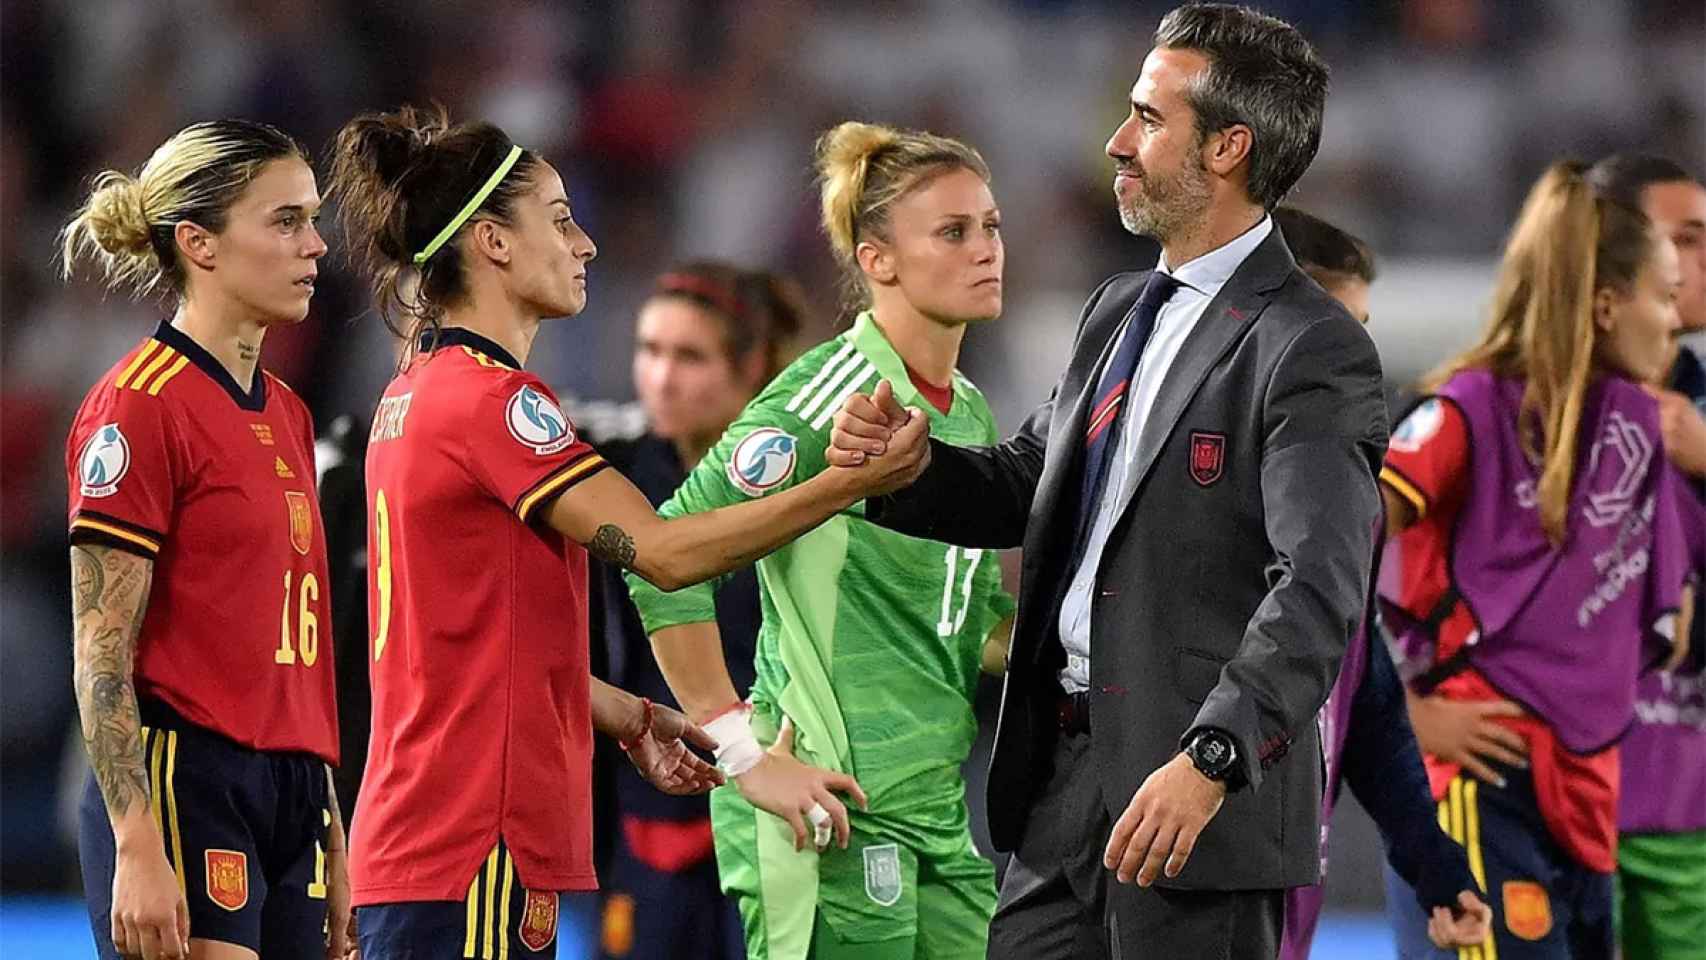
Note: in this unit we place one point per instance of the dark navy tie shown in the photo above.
(1103, 426)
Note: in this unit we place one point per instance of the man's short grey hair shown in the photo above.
(1261, 73)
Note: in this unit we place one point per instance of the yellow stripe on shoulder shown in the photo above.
(166, 375)
(162, 357)
(135, 364)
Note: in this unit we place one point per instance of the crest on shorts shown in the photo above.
(882, 874)
(301, 521)
(1528, 911)
(539, 920)
(228, 878)
(1208, 456)
(104, 461)
(537, 422)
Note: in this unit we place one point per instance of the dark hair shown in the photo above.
(1321, 247)
(398, 178)
(1623, 177)
(757, 309)
(1261, 73)
(127, 225)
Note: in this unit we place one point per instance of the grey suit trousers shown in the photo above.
(1059, 903)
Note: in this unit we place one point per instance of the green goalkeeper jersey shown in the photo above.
(872, 640)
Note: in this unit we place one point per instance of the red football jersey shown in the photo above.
(1427, 463)
(482, 721)
(170, 459)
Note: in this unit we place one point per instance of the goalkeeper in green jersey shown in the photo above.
(871, 642)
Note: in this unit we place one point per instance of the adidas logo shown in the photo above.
(284, 471)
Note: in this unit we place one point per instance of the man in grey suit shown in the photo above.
(1197, 506)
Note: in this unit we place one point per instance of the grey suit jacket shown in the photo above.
(1231, 582)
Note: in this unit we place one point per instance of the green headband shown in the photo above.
(472, 205)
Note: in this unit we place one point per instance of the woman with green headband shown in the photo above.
(483, 507)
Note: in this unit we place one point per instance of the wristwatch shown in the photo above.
(1214, 754)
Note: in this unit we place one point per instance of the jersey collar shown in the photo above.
(255, 399)
(868, 339)
(464, 337)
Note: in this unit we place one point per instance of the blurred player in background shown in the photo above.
(484, 504)
(1365, 731)
(1661, 849)
(869, 654)
(1547, 569)
(709, 337)
(203, 662)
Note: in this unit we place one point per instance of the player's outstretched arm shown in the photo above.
(109, 589)
(619, 526)
(691, 658)
(1002, 479)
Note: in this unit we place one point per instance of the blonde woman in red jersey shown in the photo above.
(203, 671)
(476, 807)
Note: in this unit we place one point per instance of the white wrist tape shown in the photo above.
(737, 749)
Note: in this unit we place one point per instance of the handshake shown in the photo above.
(880, 445)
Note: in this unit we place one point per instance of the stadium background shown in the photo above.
(683, 129)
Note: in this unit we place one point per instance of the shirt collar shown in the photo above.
(464, 337)
(869, 339)
(254, 399)
(1209, 272)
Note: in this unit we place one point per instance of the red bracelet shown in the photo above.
(645, 726)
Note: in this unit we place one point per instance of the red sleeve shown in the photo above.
(1428, 458)
(122, 470)
(522, 448)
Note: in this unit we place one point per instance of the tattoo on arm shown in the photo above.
(110, 590)
(87, 583)
(612, 545)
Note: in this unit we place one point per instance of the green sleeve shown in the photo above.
(766, 450)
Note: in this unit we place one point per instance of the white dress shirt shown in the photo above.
(1199, 281)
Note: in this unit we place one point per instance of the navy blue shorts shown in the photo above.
(245, 832)
(499, 919)
(1546, 906)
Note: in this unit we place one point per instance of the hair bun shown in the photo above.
(117, 221)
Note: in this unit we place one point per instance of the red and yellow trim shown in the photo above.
(572, 473)
(160, 750)
(153, 358)
(1402, 486)
(1460, 818)
(120, 534)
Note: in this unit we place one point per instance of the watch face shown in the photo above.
(1212, 750)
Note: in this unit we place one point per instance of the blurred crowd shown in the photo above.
(684, 129)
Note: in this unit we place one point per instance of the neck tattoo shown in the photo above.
(248, 351)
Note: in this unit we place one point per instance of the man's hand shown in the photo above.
(1465, 732)
(865, 426)
(782, 785)
(150, 917)
(1162, 822)
(1472, 922)
(1684, 431)
(659, 751)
